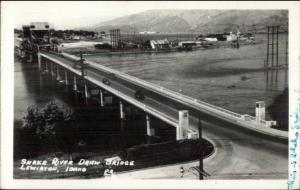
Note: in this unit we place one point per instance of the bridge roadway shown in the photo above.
(239, 153)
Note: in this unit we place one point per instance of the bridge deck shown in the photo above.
(159, 101)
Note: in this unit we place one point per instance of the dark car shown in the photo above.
(112, 75)
(139, 95)
(106, 81)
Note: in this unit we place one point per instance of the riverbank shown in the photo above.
(88, 48)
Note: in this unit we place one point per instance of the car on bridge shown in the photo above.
(111, 75)
(139, 95)
(106, 81)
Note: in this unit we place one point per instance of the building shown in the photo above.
(115, 37)
(231, 37)
(211, 39)
(148, 32)
(160, 44)
(37, 32)
(185, 44)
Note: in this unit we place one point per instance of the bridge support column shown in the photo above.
(46, 66)
(150, 129)
(74, 83)
(57, 73)
(183, 125)
(51, 69)
(101, 98)
(86, 94)
(39, 61)
(30, 57)
(122, 115)
(66, 76)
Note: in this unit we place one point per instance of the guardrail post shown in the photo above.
(150, 129)
(101, 98)
(122, 115)
(183, 125)
(66, 76)
(57, 72)
(74, 83)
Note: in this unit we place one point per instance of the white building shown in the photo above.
(148, 32)
(160, 44)
(39, 26)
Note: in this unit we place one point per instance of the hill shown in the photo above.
(201, 21)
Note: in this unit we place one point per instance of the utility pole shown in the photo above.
(286, 49)
(268, 44)
(272, 44)
(277, 27)
(201, 153)
(82, 66)
(272, 30)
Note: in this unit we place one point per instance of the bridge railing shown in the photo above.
(195, 103)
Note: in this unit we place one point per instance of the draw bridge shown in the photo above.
(174, 108)
(245, 146)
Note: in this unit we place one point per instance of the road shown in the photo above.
(239, 153)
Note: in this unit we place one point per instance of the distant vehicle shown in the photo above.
(112, 75)
(139, 95)
(106, 81)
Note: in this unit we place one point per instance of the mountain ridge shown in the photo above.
(196, 20)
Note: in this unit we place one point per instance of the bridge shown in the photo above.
(231, 133)
(176, 109)
(124, 86)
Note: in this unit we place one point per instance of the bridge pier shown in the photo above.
(30, 57)
(101, 98)
(57, 73)
(75, 83)
(122, 115)
(66, 77)
(39, 61)
(183, 125)
(86, 94)
(51, 69)
(46, 66)
(150, 129)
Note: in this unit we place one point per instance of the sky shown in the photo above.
(75, 14)
(68, 14)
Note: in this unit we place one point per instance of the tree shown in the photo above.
(48, 123)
